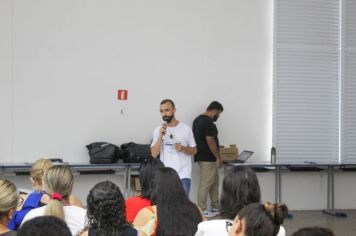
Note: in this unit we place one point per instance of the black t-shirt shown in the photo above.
(204, 126)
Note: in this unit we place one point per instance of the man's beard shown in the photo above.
(167, 118)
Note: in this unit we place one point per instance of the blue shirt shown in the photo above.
(33, 201)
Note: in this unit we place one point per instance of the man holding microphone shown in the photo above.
(174, 142)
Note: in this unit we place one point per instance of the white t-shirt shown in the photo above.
(218, 227)
(179, 161)
(74, 217)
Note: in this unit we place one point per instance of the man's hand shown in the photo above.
(163, 130)
(178, 147)
(219, 162)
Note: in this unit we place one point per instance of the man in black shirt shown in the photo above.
(208, 158)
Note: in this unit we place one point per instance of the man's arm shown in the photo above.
(214, 149)
(156, 148)
(191, 151)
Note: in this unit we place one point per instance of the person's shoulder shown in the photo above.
(212, 227)
(204, 119)
(183, 125)
(212, 224)
(39, 211)
(74, 209)
(132, 199)
(282, 231)
(136, 199)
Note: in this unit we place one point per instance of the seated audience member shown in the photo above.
(9, 200)
(258, 220)
(313, 231)
(58, 184)
(172, 213)
(240, 188)
(44, 226)
(106, 212)
(135, 204)
(37, 198)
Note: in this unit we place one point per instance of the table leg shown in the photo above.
(277, 184)
(331, 194)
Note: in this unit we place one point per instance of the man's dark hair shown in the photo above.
(164, 101)
(313, 231)
(44, 226)
(215, 105)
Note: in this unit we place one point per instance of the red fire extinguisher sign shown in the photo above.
(122, 94)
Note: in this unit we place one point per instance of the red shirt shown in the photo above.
(134, 205)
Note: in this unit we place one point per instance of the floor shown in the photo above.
(341, 226)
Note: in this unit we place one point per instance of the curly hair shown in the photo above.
(106, 209)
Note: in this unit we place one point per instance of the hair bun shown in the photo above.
(276, 211)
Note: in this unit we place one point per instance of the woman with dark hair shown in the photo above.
(258, 220)
(240, 188)
(135, 204)
(106, 212)
(172, 213)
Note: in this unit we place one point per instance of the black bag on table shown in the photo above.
(136, 153)
(103, 153)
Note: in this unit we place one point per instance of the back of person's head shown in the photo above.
(166, 187)
(147, 168)
(38, 168)
(8, 198)
(106, 208)
(262, 219)
(215, 105)
(177, 215)
(313, 231)
(58, 183)
(240, 188)
(44, 226)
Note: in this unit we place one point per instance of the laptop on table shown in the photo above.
(242, 158)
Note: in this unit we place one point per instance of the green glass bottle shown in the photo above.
(273, 155)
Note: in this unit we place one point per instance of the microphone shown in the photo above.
(166, 119)
(164, 125)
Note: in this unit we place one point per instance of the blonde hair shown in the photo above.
(57, 179)
(38, 169)
(8, 197)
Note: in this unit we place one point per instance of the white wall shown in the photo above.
(63, 61)
(70, 57)
(5, 79)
